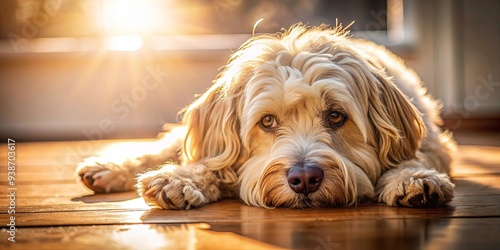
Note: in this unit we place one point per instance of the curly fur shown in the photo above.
(390, 148)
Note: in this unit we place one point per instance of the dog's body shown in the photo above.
(308, 118)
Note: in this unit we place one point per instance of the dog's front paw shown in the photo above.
(415, 188)
(105, 177)
(177, 189)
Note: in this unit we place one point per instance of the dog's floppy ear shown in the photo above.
(212, 132)
(398, 125)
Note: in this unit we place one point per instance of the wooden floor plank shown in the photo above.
(407, 233)
(131, 237)
(474, 160)
(122, 201)
(235, 211)
(54, 211)
(49, 190)
(42, 177)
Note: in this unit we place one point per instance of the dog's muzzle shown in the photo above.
(304, 178)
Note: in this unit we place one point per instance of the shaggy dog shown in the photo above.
(305, 118)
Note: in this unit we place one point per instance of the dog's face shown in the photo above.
(300, 124)
(302, 120)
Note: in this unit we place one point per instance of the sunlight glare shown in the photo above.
(128, 16)
(142, 237)
(123, 43)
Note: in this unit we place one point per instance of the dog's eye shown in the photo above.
(336, 118)
(268, 122)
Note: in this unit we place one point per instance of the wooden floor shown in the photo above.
(53, 211)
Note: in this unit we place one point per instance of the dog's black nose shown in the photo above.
(304, 178)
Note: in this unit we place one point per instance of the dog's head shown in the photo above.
(302, 119)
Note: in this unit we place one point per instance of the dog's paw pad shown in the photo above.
(421, 200)
(432, 200)
(426, 192)
(170, 192)
(415, 187)
(101, 179)
(92, 178)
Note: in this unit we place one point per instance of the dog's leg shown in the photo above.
(103, 176)
(422, 182)
(180, 187)
(414, 185)
(107, 174)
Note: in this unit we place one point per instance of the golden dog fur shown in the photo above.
(307, 98)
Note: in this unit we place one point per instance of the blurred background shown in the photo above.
(103, 69)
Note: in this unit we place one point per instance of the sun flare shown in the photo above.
(128, 16)
(126, 22)
(123, 43)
